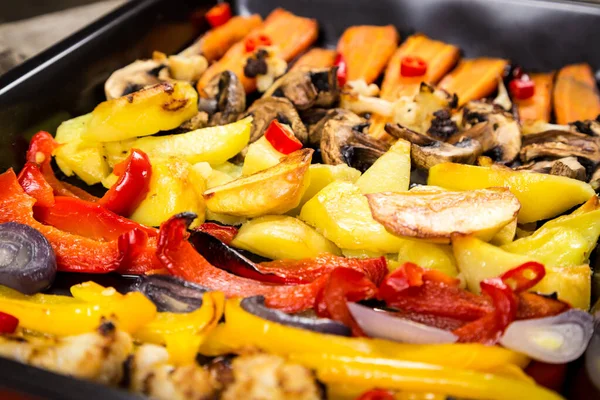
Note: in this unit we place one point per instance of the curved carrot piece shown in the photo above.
(316, 58)
(575, 94)
(538, 107)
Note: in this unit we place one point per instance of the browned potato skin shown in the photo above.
(437, 215)
(274, 190)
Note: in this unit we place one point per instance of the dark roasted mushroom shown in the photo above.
(589, 127)
(442, 125)
(315, 132)
(267, 109)
(132, 78)
(224, 99)
(559, 144)
(427, 152)
(307, 88)
(568, 166)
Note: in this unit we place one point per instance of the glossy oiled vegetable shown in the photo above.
(575, 94)
(478, 260)
(170, 293)
(75, 156)
(157, 108)
(341, 214)
(275, 190)
(539, 106)
(541, 196)
(261, 155)
(214, 145)
(174, 187)
(390, 173)
(280, 237)
(428, 255)
(315, 58)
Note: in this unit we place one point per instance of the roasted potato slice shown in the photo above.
(279, 237)
(436, 216)
(157, 108)
(390, 173)
(428, 255)
(275, 190)
(541, 196)
(260, 156)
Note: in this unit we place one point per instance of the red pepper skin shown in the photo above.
(342, 69)
(344, 285)
(34, 184)
(533, 305)
(256, 41)
(180, 258)
(133, 185)
(8, 323)
(219, 15)
(412, 66)
(517, 277)
(282, 138)
(551, 376)
(522, 88)
(376, 394)
(225, 233)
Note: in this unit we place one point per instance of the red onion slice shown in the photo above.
(385, 325)
(558, 339)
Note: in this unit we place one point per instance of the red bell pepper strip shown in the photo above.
(34, 184)
(533, 305)
(376, 394)
(8, 323)
(524, 277)
(342, 69)
(344, 285)
(180, 258)
(282, 138)
(218, 15)
(551, 376)
(225, 233)
(133, 185)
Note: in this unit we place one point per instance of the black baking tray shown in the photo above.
(67, 79)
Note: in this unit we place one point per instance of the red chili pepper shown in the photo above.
(377, 394)
(255, 41)
(342, 69)
(8, 323)
(524, 277)
(225, 233)
(522, 88)
(344, 285)
(219, 14)
(34, 184)
(412, 66)
(282, 138)
(180, 258)
(133, 185)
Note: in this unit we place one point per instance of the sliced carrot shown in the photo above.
(575, 94)
(316, 58)
(290, 35)
(217, 41)
(474, 79)
(366, 50)
(538, 107)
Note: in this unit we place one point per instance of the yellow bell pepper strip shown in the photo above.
(418, 376)
(62, 315)
(245, 330)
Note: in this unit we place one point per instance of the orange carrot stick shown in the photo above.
(575, 94)
(316, 58)
(366, 50)
(290, 35)
(538, 107)
(474, 79)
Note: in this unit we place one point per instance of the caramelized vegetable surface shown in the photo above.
(575, 94)
(538, 107)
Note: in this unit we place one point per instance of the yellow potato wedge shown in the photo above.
(75, 156)
(542, 196)
(505, 235)
(428, 255)
(436, 216)
(279, 237)
(212, 177)
(478, 260)
(341, 214)
(157, 108)
(260, 156)
(390, 173)
(275, 190)
(215, 144)
(174, 187)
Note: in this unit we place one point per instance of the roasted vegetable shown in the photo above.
(281, 237)
(306, 88)
(275, 190)
(575, 94)
(260, 156)
(390, 173)
(315, 58)
(223, 99)
(267, 109)
(539, 106)
(541, 196)
(164, 106)
(428, 255)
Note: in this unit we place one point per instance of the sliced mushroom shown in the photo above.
(568, 166)
(427, 152)
(589, 127)
(224, 99)
(315, 132)
(307, 88)
(132, 78)
(500, 138)
(267, 109)
(559, 144)
(344, 141)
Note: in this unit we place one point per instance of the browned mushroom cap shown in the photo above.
(496, 130)
(589, 127)
(559, 144)
(426, 152)
(343, 141)
(568, 166)
(224, 99)
(315, 131)
(267, 109)
(307, 88)
(133, 77)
